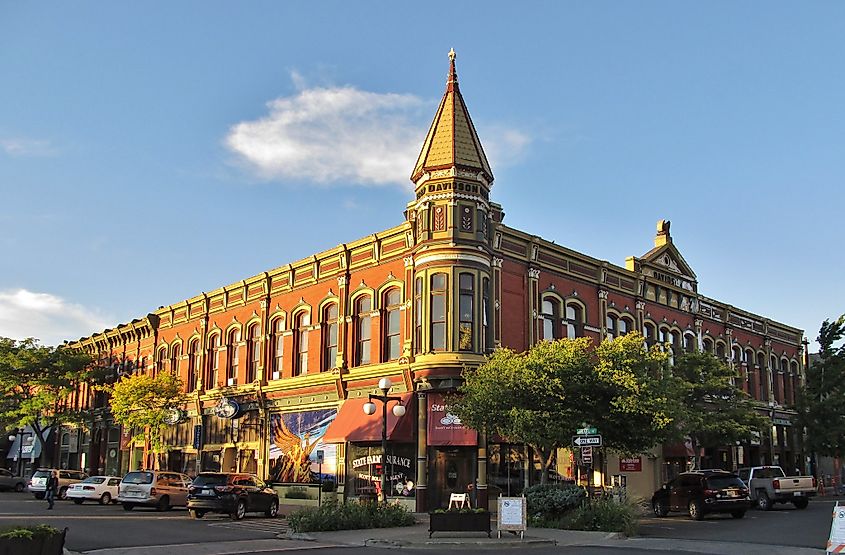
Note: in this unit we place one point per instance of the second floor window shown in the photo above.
(175, 355)
(392, 304)
(213, 365)
(485, 306)
(466, 306)
(278, 348)
(612, 326)
(549, 319)
(232, 356)
(193, 357)
(574, 319)
(363, 330)
(438, 312)
(253, 353)
(303, 321)
(329, 337)
(418, 316)
(161, 359)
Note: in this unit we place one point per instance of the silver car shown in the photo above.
(9, 481)
(153, 488)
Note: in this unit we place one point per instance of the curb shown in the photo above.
(459, 544)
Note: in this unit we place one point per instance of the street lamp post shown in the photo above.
(12, 438)
(384, 385)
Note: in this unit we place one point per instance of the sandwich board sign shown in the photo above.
(513, 515)
(836, 541)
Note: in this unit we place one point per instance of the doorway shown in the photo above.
(452, 470)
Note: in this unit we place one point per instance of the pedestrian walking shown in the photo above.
(52, 488)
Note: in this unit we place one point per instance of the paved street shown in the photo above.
(93, 527)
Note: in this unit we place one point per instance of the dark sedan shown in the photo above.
(232, 494)
(703, 492)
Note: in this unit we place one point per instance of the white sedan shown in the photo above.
(95, 488)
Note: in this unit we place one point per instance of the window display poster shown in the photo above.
(365, 468)
(295, 439)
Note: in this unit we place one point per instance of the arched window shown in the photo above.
(418, 315)
(485, 307)
(329, 337)
(574, 320)
(650, 334)
(278, 348)
(161, 359)
(736, 355)
(625, 326)
(764, 389)
(212, 374)
(690, 343)
(175, 355)
(708, 345)
(253, 352)
(301, 323)
(392, 302)
(550, 316)
(232, 357)
(193, 360)
(611, 326)
(466, 306)
(439, 294)
(363, 329)
(775, 379)
(720, 351)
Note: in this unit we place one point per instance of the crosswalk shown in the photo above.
(273, 526)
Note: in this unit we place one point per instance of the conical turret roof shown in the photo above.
(452, 141)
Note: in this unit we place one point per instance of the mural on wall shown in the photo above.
(296, 437)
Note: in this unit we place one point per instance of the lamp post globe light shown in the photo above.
(384, 385)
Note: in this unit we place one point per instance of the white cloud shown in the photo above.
(343, 135)
(331, 135)
(19, 147)
(46, 317)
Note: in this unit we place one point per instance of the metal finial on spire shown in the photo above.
(452, 55)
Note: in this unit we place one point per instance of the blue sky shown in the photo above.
(151, 151)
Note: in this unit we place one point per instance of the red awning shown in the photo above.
(352, 424)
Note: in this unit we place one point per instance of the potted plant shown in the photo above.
(32, 540)
(459, 520)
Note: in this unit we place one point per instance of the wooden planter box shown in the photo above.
(50, 545)
(454, 521)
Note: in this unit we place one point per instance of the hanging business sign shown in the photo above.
(226, 408)
(174, 416)
(197, 444)
(445, 428)
(631, 464)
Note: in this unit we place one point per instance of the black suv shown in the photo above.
(702, 492)
(233, 494)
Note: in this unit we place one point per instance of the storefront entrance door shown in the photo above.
(452, 471)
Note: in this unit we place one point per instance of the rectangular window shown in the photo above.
(418, 316)
(466, 284)
(438, 312)
(485, 305)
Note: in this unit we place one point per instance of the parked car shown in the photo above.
(768, 485)
(38, 483)
(153, 488)
(232, 494)
(95, 488)
(702, 492)
(9, 481)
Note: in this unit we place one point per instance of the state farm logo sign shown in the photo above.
(445, 428)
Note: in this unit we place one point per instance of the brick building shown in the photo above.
(278, 366)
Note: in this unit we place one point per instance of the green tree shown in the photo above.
(712, 410)
(821, 404)
(36, 383)
(142, 403)
(542, 396)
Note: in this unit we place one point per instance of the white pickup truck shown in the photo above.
(768, 485)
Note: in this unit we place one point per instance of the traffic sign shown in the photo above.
(586, 431)
(583, 441)
(586, 455)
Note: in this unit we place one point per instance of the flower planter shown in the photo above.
(456, 521)
(44, 545)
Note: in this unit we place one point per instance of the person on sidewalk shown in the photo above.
(52, 489)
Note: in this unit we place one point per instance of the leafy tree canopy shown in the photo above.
(141, 403)
(36, 383)
(542, 396)
(711, 409)
(821, 404)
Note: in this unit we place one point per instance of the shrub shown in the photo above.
(297, 492)
(551, 501)
(605, 515)
(353, 515)
(29, 532)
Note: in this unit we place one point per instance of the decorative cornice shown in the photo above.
(426, 258)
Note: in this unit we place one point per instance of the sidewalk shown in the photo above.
(417, 537)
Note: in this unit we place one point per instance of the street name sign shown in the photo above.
(586, 431)
(584, 441)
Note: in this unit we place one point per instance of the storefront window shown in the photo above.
(364, 469)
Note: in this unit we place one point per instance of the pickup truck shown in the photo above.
(768, 485)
